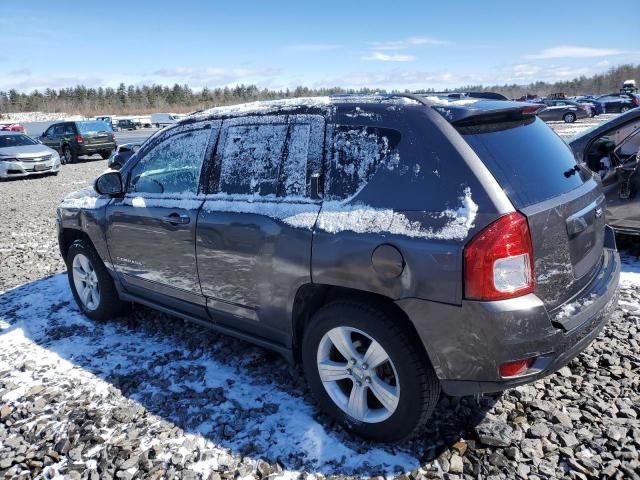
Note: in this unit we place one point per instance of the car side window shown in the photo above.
(172, 166)
(271, 155)
(69, 130)
(251, 155)
(354, 156)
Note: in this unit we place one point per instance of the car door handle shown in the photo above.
(177, 219)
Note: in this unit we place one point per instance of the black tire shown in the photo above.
(105, 153)
(69, 154)
(110, 305)
(419, 386)
(624, 108)
(569, 117)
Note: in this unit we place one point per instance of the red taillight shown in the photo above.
(79, 138)
(531, 109)
(498, 261)
(512, 369)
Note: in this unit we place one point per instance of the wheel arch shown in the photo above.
(311, 297)
(68, 236)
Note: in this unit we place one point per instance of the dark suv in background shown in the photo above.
(395, 245)
(73, 139)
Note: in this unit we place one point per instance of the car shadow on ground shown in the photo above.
(237, 396)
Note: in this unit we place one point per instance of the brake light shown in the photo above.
(79, 138)
(512, 369)
(498, 261)
(531, 109)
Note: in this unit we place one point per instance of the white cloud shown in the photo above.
(385, 57)
(406, 43)
(569, 51)
(401, 80)
(213, 76)
(313, 47)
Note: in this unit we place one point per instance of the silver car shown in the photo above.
(21, 156)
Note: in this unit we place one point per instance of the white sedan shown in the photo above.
(21, 156)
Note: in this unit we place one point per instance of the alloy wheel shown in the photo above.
(85, 280)
(358, 374)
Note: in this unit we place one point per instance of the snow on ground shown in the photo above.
(220, 405)
(22, 117)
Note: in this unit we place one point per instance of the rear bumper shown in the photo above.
(95, 148)
(467, 344)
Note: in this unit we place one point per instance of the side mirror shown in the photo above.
(109, 183)
(135, 148)
(316, 187)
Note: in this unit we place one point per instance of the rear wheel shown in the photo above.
(367, 372)
(105, 153)
(624, 108)
(569, 117)
(90, 282)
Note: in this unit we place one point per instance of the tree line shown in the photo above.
(181, 98)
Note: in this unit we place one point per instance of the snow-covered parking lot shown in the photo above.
(149, 396)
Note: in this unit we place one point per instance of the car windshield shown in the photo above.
(97, 126)
(18, 140)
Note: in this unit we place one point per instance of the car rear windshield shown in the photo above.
(16, 141)
(527, 158)
(98, 126)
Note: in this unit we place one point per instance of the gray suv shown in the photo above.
(394, 245)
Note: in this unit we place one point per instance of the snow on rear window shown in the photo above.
(269, 155)
(251, 158)
(356, 154)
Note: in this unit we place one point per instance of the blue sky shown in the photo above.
(282, 44)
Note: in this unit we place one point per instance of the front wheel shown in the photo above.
(90, 282)
(69, 156)
(367, 372)
(569, 117)
(624, 108)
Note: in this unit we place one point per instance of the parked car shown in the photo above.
(618, 102)
(12, 127)
(611, 150)
(438, 261)
(565, 110)
(109, 120)
(122, 153)
(126, 124)
(164, 119)
(595, 106)
(73, 139)
(21, 156)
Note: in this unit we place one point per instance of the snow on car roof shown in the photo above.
(275, 106)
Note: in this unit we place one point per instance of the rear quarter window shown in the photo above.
(355, 155)
(527, 158)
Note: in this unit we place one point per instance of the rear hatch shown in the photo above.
(95, 133)
(561, 200)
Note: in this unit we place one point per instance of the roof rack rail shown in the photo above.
(414, 96)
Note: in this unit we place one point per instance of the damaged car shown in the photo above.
(611, 150)
(394, 245)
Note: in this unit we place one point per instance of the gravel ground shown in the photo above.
(29, 247)
(148, 396)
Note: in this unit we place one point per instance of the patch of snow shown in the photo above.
(87, 198)
(263, 107)
(281, 425)
(339, 217)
